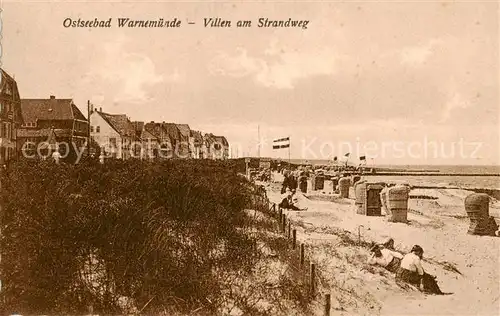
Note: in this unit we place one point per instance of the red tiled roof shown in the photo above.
(184, 129)
(147, 135)
(164, 132)
(209, 138)
(172, 131)
(138, 126)
(49, 109)
(77, 114)
(198, 138)
(120, 123)
(9, 83)
(153, 128)
(222, 140)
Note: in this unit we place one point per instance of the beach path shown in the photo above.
(465, 265)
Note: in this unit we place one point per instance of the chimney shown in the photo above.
(91, 108)
(52, 97)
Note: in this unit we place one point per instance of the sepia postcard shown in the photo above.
(249, 157)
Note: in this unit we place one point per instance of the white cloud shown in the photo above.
(294, 66)
(239, 65)
(417, 55)
(456, 101)
(129, 73)
(280, 69)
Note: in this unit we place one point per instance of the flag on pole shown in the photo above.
(281, 143)
(346, 156)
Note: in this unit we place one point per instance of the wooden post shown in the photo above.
(89, 112)
(359, 234)
(302, 250)
(280, 212)
(289, 229)
(2, 280)
(328, 305)
(294, 239)
(283, 224)
(313, 278)
(280, 223)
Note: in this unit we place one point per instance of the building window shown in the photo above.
(112, 141)
(91, 129)
(98, 129)
(7, 89)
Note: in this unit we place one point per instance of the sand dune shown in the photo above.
(467, 266)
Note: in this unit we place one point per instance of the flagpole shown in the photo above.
(258, 135)
(289, 145)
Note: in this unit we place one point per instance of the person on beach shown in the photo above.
(289, 201)
(412, 272)
(288, 182)
(56, 156)
(391, 260)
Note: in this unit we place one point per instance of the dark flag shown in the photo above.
(362, 158)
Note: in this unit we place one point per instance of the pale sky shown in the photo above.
(420, 75)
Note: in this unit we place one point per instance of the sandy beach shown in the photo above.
(467, 267)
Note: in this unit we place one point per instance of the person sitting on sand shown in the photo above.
(289, 201)
(412, 272)
(391, 260)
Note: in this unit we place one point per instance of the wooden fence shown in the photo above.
(304, 267)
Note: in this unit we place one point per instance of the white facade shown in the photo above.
(192, 151)
(106, 136)
(149, 146)
(197, 151)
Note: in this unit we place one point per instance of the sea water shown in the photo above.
(492, 182)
